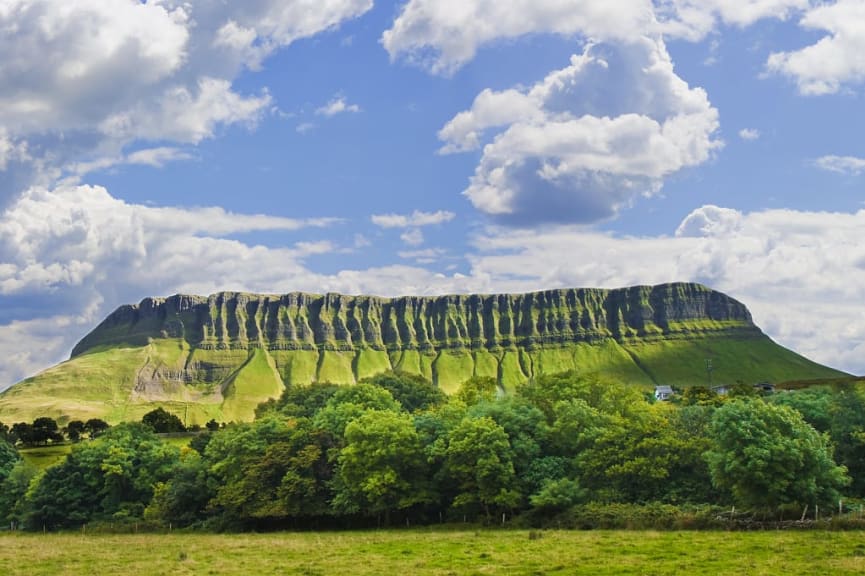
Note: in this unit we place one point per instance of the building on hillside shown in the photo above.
(663, 393)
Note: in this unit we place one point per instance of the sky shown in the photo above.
(427, 147)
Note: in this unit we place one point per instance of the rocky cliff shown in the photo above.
(219, 356)
(299, 321)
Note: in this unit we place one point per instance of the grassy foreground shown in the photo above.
(442, 552)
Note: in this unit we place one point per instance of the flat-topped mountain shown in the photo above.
(219, 356)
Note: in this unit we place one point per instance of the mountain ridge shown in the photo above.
(218, 356)
(301, 320)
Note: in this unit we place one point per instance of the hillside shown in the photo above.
(219, 356)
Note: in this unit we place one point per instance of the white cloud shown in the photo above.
(414, 220)
(443, 35)
(749, 134)
(425, 256)
(304, 128)
(80, 82)
(412, 237)
(154, 157)
(834, 61)
(695, 19)
(82, 236)
(337, 106)
(157, 157)
(578, 145)
(841, 164)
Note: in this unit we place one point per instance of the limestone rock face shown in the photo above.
(299, 321)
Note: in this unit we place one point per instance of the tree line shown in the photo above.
(394, 448)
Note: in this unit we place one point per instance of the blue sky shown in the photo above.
(429, 147)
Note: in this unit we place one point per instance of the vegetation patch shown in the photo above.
(436, 552)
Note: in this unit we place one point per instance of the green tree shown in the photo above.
(603, 396)
(814, 404)
(767, 456)
(13, 491)
(110, 479)
(644, 458)
(95, 427)
(74, 430)
(381, 468)
(558, 494)
(527, 433)
(182, 499)
(270, 470)
(478, 389)
(45, 430)
(412, 391)
(701, 396)
(22, 432)
(349, 402)
(299, 401)
(847, 429)
(162, 421)
(479, 460)
(8, 459)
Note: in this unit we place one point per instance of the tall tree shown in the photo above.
(381, 468)
(767, 456)
(45, 430)
(110, 479)
(479, 459)
(412, 391)
(162, 422)
(8, 458)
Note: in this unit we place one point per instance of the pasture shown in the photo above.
(436, 552)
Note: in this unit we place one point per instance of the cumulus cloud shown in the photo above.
(337, 106)
(695, 19)
(413, 220)
(443, 35)
(834, 61)
(82, 81)
(587, 139)
(80, 236)
(841, 164)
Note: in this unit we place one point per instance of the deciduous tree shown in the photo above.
(767, 456)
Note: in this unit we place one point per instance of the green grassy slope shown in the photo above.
(255, 381)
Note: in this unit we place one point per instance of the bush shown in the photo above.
(617, 516)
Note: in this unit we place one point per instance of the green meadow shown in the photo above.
(438, 552)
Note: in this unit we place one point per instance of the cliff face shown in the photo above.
(298, 321)
(220, 356)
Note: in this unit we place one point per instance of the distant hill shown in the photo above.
(219, 356)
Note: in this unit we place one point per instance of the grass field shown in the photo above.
(419, 552)
(44, 456)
